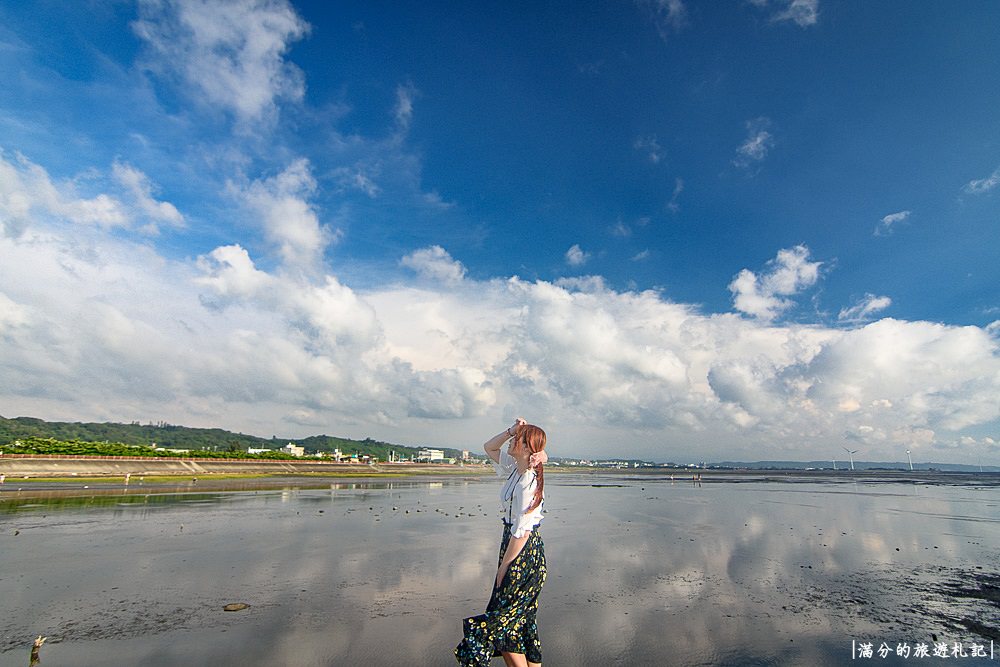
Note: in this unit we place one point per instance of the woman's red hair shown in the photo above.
(534, 437)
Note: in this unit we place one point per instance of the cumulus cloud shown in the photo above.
(434, 263)
(226, 343)
(231, 276)
(886, 225)
(230, 55)
(983, 185)
(575, 256)
(232, 344)
(864, 309)
(756, 146)
(95, 326)
(340, 337)
(290, 222)
(762, 295)
(911, 373)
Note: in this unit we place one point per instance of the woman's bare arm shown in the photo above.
(514, 547)
(493, 445)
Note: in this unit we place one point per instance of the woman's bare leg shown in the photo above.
(534, 664)
(514, 659)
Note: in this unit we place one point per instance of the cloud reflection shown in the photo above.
(383, 572)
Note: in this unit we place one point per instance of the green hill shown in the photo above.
(183, 437)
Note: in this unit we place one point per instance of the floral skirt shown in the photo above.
(509, 622)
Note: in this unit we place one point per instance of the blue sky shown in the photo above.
(760, 229)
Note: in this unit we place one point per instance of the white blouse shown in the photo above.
(517, 494)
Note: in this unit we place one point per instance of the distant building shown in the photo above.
(465, 454)
(255, 450)
(294, 450)
(172, 450)
(430, 455)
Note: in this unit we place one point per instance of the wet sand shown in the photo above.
(740, 570)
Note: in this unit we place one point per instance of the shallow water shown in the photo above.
(642, 570)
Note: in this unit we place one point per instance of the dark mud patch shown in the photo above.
(81, 620)
(930, 600)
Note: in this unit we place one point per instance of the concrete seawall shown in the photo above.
(31, 467)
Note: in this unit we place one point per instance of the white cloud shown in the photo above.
(27, 193)
(97, 327)
(803, 12)
(434, 200)
(356, 178)
(434, 263)
(983, 185)
(575, 256)
(673, 205)
(404, 107)
(864, 308)
(640, 256)
(141, 189)
(762, 295)
(281, 205)
(581, 284)
(597, 366)
(650, 148)
(230, 55)
(231, 276)
(621, 229)
(886, 225)
(669, 16)
(917, 369)
(758, 143)
(12, 315)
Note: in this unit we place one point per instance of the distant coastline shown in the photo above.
(219, 440)
(81, 469)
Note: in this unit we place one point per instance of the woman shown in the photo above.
(508, 627)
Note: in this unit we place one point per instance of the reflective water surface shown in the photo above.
(642, 570)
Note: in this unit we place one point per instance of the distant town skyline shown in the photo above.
(662, 230)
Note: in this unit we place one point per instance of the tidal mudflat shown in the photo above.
(642, 570)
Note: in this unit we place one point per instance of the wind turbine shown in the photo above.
(909, 459)
(851, 453)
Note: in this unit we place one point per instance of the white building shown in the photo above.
(430, 455)
(294, 450)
